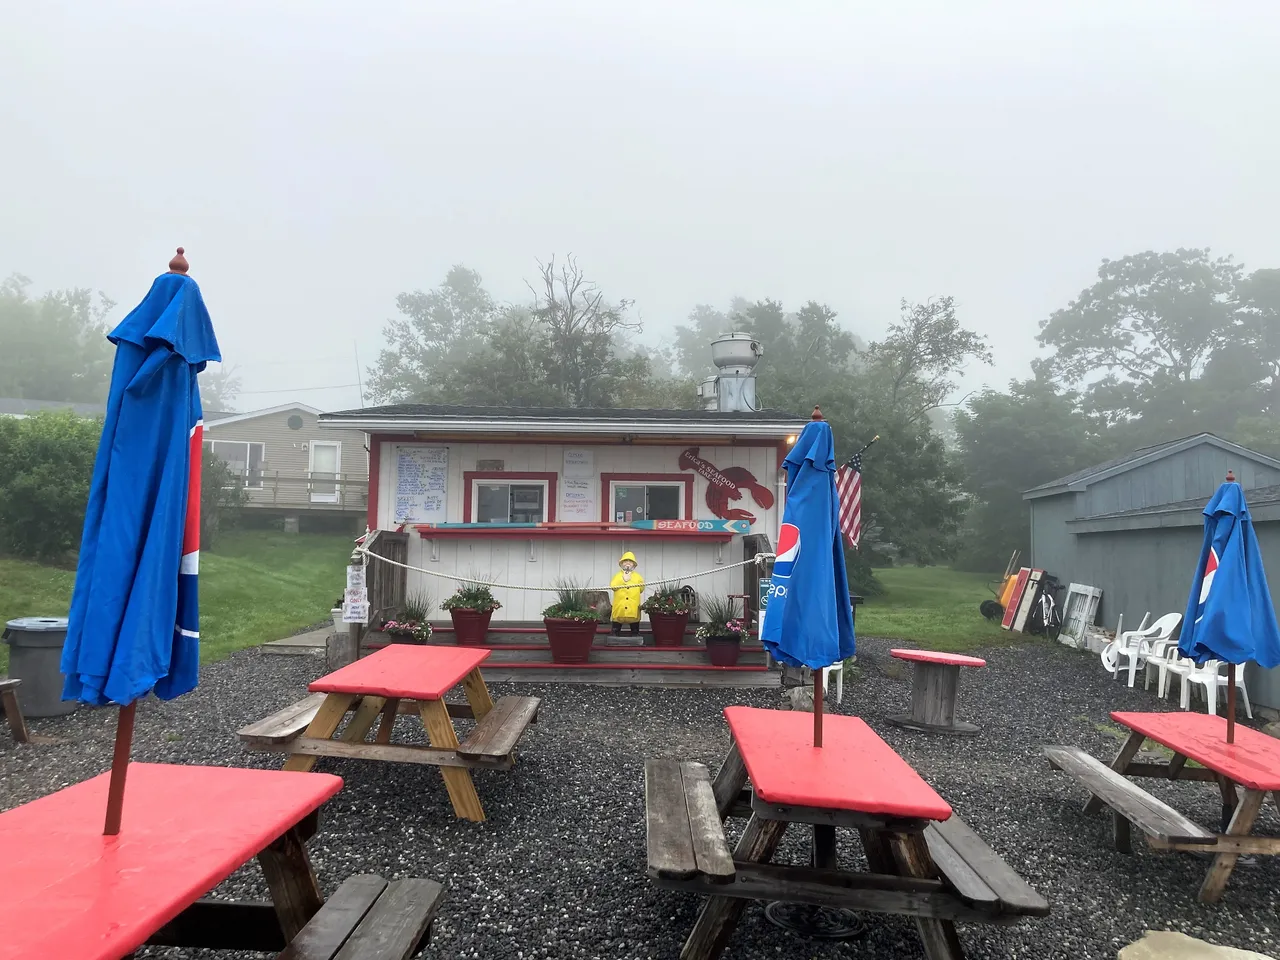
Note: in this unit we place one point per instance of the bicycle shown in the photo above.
(1046, 618)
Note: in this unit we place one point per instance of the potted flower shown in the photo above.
(722, 632)
(471, 608)
(668, 611)
(571, 624)
(336, 613)
(412, 631)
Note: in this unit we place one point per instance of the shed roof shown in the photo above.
(1081, 479)
(429, 416)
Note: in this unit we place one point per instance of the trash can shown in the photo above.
(35, 653)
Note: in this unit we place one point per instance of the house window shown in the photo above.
(509, 502)
(647, 501)
(244, 459)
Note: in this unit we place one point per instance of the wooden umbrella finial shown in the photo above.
(817, 413)
(179, 263)
(1231, 477)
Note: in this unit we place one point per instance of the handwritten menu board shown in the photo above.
(422, 475)
(578, 500)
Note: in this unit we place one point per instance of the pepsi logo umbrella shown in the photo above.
(1229, 614)
(134, 622)
(808, 620)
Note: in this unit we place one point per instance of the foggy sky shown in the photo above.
(317, 158)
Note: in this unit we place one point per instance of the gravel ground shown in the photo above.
(558, 869)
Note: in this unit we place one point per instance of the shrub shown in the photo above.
(418, 606)
(46, 466)
(573, 602)
(670, 599)
(472, 596)
(722, 619)
(222, 499)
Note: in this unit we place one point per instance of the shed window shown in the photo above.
(648, 501)
(509, 502)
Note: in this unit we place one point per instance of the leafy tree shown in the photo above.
(437, 331)
(222, 498)
(53, 347)
(1007, 444)
(1259, 334)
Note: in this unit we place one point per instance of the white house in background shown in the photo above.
(292, 469)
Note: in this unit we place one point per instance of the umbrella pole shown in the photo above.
(817, 707)
(119, 767)
(1231, 703)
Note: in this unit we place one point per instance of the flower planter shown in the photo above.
(668, 628)
(470, 627)
(338, 625)
(570, 640)
(723, 651)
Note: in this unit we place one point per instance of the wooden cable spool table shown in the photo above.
(933, 691)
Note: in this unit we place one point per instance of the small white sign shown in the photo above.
(579, 463)
(355, 613)
(577, 500)
(356, 595)
(355, 577)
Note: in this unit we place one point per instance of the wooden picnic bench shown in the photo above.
(934, 683)
(13, 709)
(403, 679)
(1245, 772)
(924, 861)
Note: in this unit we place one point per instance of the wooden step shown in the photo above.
(632, 675)
(752, 655)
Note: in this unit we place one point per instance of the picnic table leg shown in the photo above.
(938, 936)
(879, 854)
(388, 721)
(1215, 881)
(720, 915)
(1230, 800)
(1120, 764)
(729, 781)
(17, 723)
(321, 727)
(477, 694)
(292, 882)
(457, 780)
(363, 719)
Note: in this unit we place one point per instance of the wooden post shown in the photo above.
(1231, 703)
(817, 706)
(120, 762)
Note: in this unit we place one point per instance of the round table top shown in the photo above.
(936, 656)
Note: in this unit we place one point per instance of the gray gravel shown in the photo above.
(558, 868)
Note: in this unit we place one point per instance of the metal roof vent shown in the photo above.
(733, 389)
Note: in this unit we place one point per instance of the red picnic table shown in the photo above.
(924, 861)
(403, 678)
(1251, 764)
(933, 691)
(69, 893)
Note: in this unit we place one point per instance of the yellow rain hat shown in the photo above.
(628, 556)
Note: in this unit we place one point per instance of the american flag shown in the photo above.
(849, 488)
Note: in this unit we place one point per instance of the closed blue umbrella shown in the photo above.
(1229, 613)
(134, 621)
(809, 620)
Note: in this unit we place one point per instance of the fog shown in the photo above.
(317, 158)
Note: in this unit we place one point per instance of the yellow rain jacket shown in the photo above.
(627, 588)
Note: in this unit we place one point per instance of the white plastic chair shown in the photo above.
(1135, 646)
(1159, 656)
(838, 670)
(1211, 677)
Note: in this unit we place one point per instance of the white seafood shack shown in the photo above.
(532, 496)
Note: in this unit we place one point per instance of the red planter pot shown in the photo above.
(470, 627)
(570, 640)
(668, 628)
(723, 651)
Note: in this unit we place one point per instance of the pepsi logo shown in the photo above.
(788, 543)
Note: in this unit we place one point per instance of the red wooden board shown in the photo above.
(1011, 608)
(853, 770)
(404, 670)
(69, 893)
(1253, 761)
(935, 656)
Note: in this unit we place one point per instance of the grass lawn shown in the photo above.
(936, 607)
(257, 586)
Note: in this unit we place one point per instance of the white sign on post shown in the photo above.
(578, 500)
(355, 576)
(356, 595)
(355, 613)
(579, 463)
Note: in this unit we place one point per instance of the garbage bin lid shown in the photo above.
(38, 624)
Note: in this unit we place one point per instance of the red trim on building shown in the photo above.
(470, 476)
(606, 479)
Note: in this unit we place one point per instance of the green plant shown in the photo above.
(573, 602)
(472, 595)
(419, 630)
(222, 499)
(721, 619)
(670, 599)
(417, 606)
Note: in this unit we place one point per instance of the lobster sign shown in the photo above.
(725, 485)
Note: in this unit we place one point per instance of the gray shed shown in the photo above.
(1132, 527)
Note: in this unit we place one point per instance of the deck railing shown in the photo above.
(311, 489)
